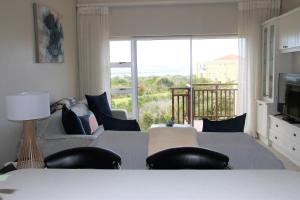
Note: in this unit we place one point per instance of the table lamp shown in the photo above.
(27, 107)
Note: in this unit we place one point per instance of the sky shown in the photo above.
(171, 56)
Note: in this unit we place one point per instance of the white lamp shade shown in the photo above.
(28, 106)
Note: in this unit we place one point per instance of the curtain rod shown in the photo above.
(153, 3)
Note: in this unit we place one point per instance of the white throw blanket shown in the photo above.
(169, 137)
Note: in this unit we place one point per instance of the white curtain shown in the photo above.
(252, 13)
(93, 50)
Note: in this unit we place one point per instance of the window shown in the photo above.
(143, 71)
(215, 60)
(122, 73)
(120, 51)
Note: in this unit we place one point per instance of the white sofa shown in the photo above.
(52, 137)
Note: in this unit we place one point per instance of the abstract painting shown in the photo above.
(49, 34)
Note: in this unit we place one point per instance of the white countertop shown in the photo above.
(44, 184)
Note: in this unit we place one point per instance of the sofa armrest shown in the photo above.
(119, 114)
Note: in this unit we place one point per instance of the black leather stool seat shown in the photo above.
(187, 158)
(84, 158)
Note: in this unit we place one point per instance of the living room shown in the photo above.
(127, 19)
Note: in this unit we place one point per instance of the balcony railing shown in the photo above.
(212, 101)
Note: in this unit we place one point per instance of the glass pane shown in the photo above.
(271, 61)
(264, 67)
(215, 60)
(214, 79)
(120, 51)
(122, 101)
(120, 78)
(162, 64)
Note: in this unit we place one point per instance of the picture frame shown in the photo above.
(49, 34)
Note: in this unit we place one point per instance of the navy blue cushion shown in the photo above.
(85, 124)
(71, 122)
(236, 124)
(110, 123)
(99, 104)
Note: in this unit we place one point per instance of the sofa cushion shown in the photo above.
(67, 101)
(110, 123)
(89, 123)
(80, 109)
(99, 105)
(71, 122)
(230, 125)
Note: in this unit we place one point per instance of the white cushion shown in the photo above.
(80, 109)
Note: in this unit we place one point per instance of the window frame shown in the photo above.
(133, 68)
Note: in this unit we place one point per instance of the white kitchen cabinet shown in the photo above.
(273, 63)
(269, 41)
(289, 31)
(285, 138)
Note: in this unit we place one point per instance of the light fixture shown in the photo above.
(27, 107)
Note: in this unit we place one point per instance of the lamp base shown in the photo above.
(30, 156)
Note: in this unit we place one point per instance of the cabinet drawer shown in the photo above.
(277, 138)
(278, 126)
(294, 150)
(293, 135)
(290, 147)
(287, 131)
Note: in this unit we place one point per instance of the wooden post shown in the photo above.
(217, 110)
(173, 115)
(29, 156)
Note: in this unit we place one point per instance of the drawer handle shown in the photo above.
(294, 149)
(295, 134)
(275, 137)
(276, 125)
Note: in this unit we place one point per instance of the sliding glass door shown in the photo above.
(185, 78)
(162, 64)
(214, 79)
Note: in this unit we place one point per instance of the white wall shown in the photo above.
(197, 19)
(18, 70)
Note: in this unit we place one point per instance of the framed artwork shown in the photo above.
(49, 34)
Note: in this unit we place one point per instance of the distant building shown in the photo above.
(221, 70)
